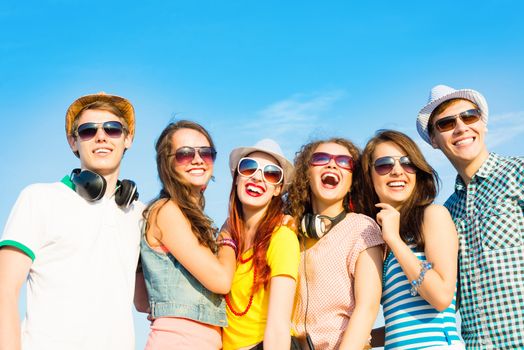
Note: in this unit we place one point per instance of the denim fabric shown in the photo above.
(174, 292)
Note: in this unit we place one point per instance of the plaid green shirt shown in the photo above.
(488, 214)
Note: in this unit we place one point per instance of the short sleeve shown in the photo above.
(23, 229)
(368, 234)
(283, 255)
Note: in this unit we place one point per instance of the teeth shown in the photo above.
(397, 184)
(102, 150)
(196, 171)
(464, 142)
(254, 189)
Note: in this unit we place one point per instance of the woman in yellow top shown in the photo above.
(260, 303)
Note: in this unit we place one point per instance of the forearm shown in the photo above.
(434, 289)
(357, 333)
(277, 338)
(9, 324)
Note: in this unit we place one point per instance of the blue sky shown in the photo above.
(246, 70)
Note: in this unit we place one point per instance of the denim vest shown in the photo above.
(174, 292)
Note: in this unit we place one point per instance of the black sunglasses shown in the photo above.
(271, 173)
(323, 158)
(449, 123)
(185, 155)
(87, 131)
(384, 165)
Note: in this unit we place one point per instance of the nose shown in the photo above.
(460, 126)
(197, 159)
(100, 135)
(397, 168)
(257, 175)
(332, 163)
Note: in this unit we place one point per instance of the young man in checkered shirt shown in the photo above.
(487, 207)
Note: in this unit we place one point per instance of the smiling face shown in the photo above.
(102, 153)
(329, 183)
(465, 144)
(196, 172)
(397, 186)
(254, 192)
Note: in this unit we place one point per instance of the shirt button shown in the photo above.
(478, 310)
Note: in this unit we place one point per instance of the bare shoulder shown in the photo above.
(436, 212)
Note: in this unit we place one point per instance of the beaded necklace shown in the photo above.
(228, 298)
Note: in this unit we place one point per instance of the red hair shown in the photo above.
(270, 221)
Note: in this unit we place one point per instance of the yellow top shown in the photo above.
(283, 257)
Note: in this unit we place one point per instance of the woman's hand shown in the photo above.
(389, 219)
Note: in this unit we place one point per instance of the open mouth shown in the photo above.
(463, 142)
(196, 171)
(397, 184)
(330, 180)
(254, 190)
(102, 151)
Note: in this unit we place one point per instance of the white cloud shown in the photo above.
(298, 114)
(503, 128)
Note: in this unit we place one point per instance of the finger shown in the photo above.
(384, 206)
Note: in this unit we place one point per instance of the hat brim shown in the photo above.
(125, 107)
(240, 152)
(466, 94)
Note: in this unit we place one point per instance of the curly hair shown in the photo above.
(299, 192)
(424, 193)
(175, 188)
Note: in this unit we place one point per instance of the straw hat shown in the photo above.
(120, 103)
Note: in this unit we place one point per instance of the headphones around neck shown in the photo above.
(92, 187)
(314, 225)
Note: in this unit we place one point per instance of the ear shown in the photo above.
(278, 190)
(434, 144)
(72, 143)
(128, 141)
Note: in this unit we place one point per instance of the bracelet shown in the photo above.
(425, 266)
(230, 243)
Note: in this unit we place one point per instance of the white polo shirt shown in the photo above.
(81, 283)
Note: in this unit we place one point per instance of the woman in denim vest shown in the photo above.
(184, 275)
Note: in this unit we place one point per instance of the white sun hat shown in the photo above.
(268, 146)
(441, 93)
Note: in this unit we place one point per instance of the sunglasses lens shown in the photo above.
(113, 129)
(407, 165)
(208, 154)
(273, 174)
(471, 116)
(320, 158)
(87, 131)
(345, 162)
(184, 155)
(446, 124)
(384, 165)
(247, 167)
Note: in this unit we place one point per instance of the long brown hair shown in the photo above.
(177, 189)
(272, 219)
(424, 193)
(299, 193)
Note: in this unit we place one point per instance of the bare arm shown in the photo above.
(215, 273)
(441, 249)
(14, 267)
(368, 288)
(281, 294)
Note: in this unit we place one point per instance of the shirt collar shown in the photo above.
(486, 169)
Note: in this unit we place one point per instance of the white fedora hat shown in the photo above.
(441, 93)
(268, 146)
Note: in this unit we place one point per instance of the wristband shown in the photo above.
(230, 243)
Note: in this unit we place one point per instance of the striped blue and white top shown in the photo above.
(411, 322)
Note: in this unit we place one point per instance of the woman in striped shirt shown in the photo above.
(420, 270)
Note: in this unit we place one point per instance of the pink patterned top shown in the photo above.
(330, 266)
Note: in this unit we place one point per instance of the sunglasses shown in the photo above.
(449, 123)
(322, 158)
(185, 155)
(87, 131)
(271, 173)
(384, 165)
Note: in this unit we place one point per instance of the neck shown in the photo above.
(467, 170)
(252, 218)
(329, 209)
